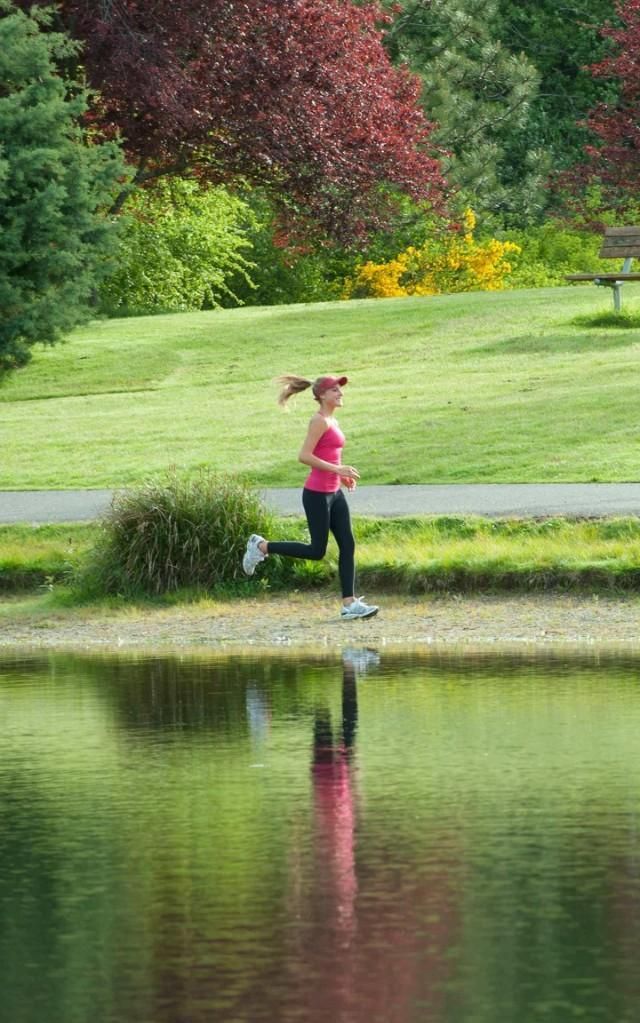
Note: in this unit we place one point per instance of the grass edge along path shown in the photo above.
(408, 556)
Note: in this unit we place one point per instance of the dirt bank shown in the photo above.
(309, 621)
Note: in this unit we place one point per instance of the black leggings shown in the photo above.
(325, 512)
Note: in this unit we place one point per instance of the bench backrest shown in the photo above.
(620, 243)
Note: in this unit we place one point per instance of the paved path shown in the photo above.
(489, 499)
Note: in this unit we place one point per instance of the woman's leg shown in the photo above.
(316, 509)
(340, 525)
(324, 512)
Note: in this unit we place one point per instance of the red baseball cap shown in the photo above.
(325, 383)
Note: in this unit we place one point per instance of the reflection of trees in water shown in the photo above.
(58, 939)
(551, 924)
(351, 911)
(178, 696)
(623, 913)
(182, 694)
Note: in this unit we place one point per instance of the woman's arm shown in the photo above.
(317, 427)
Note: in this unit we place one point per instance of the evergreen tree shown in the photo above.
(479, 93)
(54, 241)
(562, 39)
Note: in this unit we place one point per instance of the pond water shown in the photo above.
(353, 839)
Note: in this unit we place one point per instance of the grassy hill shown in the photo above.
(502, 387)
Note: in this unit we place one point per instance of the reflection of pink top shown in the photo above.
(329, 448)
(332, 786)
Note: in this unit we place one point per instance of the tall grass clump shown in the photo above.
(180, 531)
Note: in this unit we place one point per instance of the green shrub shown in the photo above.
(180, 531)
(180, 245)
(549, 252)
(284, 270)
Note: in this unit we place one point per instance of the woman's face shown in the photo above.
(333, 395)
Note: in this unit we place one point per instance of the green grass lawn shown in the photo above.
(484, 387)
(41, 556)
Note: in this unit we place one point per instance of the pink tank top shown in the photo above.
(329, 448)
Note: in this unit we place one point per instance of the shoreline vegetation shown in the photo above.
(406, 557)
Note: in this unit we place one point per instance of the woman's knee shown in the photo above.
(317, 551)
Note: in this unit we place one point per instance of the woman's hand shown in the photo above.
(347, 472)
(349, 483)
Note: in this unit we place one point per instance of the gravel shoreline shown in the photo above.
(306, 621)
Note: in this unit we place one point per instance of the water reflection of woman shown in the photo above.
(334, 802)
(372, 926)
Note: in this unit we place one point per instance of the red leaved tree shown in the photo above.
(614, 160)
(297, 95)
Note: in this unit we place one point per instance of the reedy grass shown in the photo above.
(179, 530)
(446, 554)
(493, 387)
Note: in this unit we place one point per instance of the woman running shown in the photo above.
(324, 502)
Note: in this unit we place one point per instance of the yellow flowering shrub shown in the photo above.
(448, 264)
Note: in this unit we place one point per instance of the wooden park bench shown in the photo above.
(619, 243)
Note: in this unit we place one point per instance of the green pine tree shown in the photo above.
(562, 39)
(55, 183)
(479, 94)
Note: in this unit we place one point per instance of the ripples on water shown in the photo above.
(372, 838)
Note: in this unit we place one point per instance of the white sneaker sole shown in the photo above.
(367, 614)
(249, 560)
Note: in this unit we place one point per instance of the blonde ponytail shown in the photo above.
(292, 385)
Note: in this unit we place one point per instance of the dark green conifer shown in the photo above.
(55, 185)
(479, 93)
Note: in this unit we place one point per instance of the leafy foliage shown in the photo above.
(478, 92)
(283, 270)
(300, 96)
(550, 251)
(561, 40)
(615, 158)
(54, 182)
(180, 530)
(179, 247)
(450, 263)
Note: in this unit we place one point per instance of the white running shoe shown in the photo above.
(361, 659)
(253, 555)
(358, 609)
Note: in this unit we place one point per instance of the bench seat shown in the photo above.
(604, 277)
(618, 243)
